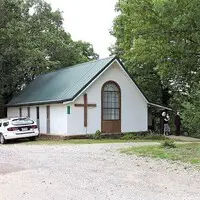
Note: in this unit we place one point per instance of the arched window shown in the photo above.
(111, 101)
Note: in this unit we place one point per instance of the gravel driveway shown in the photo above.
(93, 171)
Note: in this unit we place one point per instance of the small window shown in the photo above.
(5, 123)
(0, 124)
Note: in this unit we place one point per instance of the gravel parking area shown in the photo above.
(89, 172)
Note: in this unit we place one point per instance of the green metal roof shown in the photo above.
(60, 85)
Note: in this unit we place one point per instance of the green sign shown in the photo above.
(68, 110)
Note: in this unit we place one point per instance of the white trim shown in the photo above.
(33, 103)
(131, 80)
(67, 102)
(115, 60)
(159, 106)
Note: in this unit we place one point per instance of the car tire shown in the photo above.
(2, 139)
(32, 138)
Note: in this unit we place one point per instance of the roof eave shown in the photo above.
(37, 103)
(159, 106)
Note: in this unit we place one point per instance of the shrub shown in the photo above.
(97, 135)
(90, 136)
(168, 144)
(130, 136)
(139, 136)
(191, 118)
(156, 137)
(191, 113)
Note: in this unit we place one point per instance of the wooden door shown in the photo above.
(111, 108)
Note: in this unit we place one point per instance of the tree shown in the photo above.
(161, 37)
(33, 41)
(191, 112)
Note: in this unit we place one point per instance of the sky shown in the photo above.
(88, 20)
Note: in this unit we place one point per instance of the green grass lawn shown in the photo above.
(189, 152)
(84, 141)
(124, 139)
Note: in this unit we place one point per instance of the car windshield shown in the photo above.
(21, 121)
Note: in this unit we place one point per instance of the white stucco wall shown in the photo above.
(133, 105)
(76, 118)
(13, 112)
(43, 120)
(24, 112)
(33, 113)
(58, 117)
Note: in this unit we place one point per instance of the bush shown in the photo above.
(90, 136)
(191, 118)
(97, 135)
(156, 137)
(139, 136)
(129, 136)
(168, 144)
(191, 113)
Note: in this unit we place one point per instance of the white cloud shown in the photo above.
(88, 20)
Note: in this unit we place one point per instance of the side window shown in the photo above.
(0, 123)
(5, 123)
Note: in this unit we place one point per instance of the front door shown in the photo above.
(111, 108)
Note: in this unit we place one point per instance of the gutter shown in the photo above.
(159, 106)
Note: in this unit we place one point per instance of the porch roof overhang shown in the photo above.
(160, 107)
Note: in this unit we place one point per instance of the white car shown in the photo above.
(16, 128)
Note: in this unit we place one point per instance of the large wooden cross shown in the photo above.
(85, 105)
